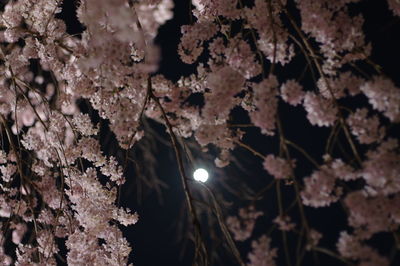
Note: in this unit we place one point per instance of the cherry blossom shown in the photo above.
(262, 254)
(278, 167)
(366, 129)
(80, 117)
(292, 92)
(320, 111)
(384, 96)
(266, 103)
(243, 225)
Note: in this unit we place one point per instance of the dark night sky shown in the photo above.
(154, 236)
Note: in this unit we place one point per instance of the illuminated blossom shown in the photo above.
(262, 254)
(384, 96)
(243, 225)
(284, 223)
(191, 45)
(319, 189)
(394, 6)
(381, 170)
(224, 84)
(351, 247)
(320, 111)
(74, 107)
(366, 129)
(278, 167)
(266, 103)
(292, 92)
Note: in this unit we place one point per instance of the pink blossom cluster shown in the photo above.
(279, 168)
(372, 214)
(241, 58)
(381, 169)
(224, 84)
(346, 83)
(319, 189)
(242, 226)
(266, 103)
(340, 35)
(367, 130)
(352, 247)
(394, 6)
(314, 237)
(48, 124)
(292, 92)
(262, 254)
(206, 10)
(191, 45)
(284, 223)
(273, 36)
(59, 184)
(384, 96)
(320, 111)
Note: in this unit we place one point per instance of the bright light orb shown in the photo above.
(200, 175)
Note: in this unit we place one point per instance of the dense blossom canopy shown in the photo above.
(255, 61)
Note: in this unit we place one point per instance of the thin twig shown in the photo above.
(200, 246)
(247, 147)
(224, 229)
